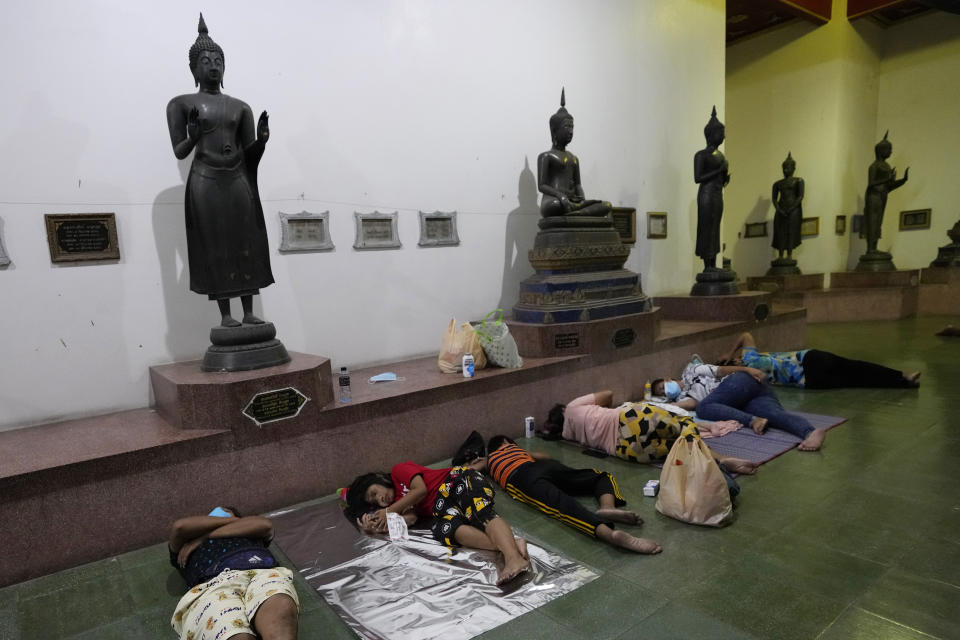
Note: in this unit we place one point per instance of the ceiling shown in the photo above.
(747, 17)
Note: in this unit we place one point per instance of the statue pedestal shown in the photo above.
(948, 256)
(739, 307)
(580, 278)
(885, 278)
(244, 348)
(939, 291)
(189, 398)
(875, 261)
(716, 282)
(785, 284)
(624, 333)
(783, 267)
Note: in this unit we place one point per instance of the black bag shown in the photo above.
(471, 449)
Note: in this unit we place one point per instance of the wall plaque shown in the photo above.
(438, 229)
(305, 232)
(915, 219)
(809, 227)
(271, 406)
(376, 231)
(74, 237)
(625, 222)
(566, 341)
(624, 337)
(656, 224)
(840, 225)
(755, 230)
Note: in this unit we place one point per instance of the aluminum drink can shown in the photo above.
(529, 425)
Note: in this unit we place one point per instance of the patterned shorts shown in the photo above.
(466, 497)
(647, 432)
(225, 605)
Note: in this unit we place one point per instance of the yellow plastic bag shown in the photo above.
(692, 487)
(456, 343)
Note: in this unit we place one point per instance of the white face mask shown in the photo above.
(672, 390)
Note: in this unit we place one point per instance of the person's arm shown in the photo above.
(687, 403)
(418, 491)
(247, 527)
(744, 340)
(603, 398)
(757, 375)
(539, 455)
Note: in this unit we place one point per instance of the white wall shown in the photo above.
(394, 105)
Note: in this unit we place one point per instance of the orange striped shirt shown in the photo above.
(505, 460)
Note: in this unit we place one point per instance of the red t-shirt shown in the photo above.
(403, 474)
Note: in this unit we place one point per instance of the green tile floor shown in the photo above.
(859, 540)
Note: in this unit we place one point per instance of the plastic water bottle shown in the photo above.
(647, 391)
(344, 385)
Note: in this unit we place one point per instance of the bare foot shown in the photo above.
(228, 321)
(511, 570)
(619, 515)
(626, 541)
(522, 547)
(813, 441)
(758, 424)
(739, 465)
(912, 379)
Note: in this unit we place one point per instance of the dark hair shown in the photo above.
(234, 511)
(553, 425)
(726, 362)
(357, 504)
(497, 441)
(653, 385)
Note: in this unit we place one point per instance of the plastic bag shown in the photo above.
(692, 487)
(498, 344)
(456, 343)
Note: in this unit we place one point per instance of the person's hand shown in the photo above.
(906, 174)
(757, 375)
(263, 127)
(187, 549)
(193, 124)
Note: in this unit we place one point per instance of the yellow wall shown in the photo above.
(827, 94)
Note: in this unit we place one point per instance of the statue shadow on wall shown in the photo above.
(189, 316)
(518, 238)
(753, 255)
(856, 245)
(5, 261)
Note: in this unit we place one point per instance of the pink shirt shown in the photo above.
(591, 425)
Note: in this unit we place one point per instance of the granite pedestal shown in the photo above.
(939, 291)
(749, 305)
(867, 279)
(188, 398)
(785, 283)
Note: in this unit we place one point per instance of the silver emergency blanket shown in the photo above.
(414, 589)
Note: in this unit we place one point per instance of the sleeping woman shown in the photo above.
(459, 499)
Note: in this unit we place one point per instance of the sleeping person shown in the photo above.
(459, 500)
(635, 431)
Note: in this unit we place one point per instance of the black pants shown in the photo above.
(825, 370)
(549, 486)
